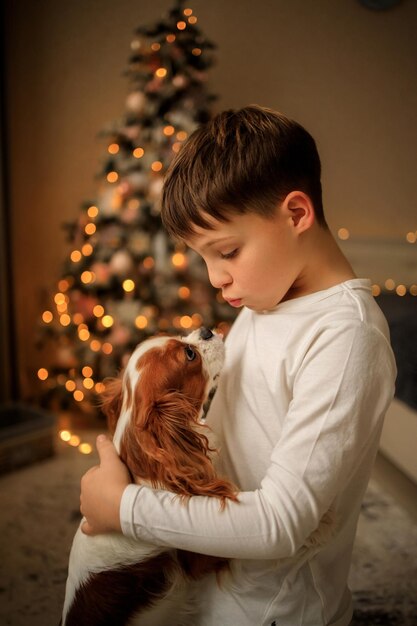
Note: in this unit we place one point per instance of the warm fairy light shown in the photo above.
(92, 211)
(84, 334)
(161, 72)
(390, 284)
(99, 387)
(87, 277)
(88, 383)
(43, 373)
(70, 385)
(156, 166)
(186, 321)
(63, 285)
(75, 256)
(59, 298)
(196, 52)
(98, 310)
(176, 146)
(178, 259)
(85, 448)
(82, 326)
(181, 25)
(192, 20)
(141, 321)
(107, 348)
(197, 319)
(77, 318)
(182, 135)
(169, 130)
(90, 228)
(95, 345)
(65, 435)
(155, 47)
(376, 290)
(65, 319)
(112, 177)
(113, 148)
(413, 290)
(87, 249)
(148, 263)
(78, 395)
(411, 237)
(47, 317)
(171, 38)
(87, 371)
(184, 293)
(343, 234)
(62, 308)
(138, 153)
(401, 290)
(107, 321)
(74, 441)
(188, 12)
(128, 285)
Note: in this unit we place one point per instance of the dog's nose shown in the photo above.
(205, 333)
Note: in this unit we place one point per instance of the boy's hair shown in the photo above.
(244, 161)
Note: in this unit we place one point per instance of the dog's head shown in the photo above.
(153, 409)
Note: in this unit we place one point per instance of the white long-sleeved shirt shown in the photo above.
(298, 414)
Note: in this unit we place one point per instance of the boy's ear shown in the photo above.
(300, 209)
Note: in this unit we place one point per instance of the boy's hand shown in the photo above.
(101, 490)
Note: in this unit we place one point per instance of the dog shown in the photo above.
(154, 411)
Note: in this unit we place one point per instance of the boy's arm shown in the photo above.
(341, 393)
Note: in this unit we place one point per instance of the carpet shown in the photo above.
(39, 507)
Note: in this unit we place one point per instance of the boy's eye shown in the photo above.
(230, 255)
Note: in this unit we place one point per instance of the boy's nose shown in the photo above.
(219, 279)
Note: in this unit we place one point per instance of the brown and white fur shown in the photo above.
(154, 410)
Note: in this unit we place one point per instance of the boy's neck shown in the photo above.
(325, 265)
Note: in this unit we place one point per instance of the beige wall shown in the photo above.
(347, 73)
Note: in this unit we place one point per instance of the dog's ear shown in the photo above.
(111, 401)
(172, 439)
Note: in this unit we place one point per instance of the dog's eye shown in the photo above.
(190, 353)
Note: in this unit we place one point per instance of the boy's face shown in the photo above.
(254, 261)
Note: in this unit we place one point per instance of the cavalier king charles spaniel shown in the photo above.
(154, 411)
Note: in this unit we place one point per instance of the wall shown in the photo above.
(345, 72)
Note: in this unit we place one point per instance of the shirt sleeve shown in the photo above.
(340, 394)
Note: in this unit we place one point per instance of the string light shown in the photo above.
(65, 319)
(192, 20)
(84, 334)
(47, 317)
(169, 130)
(389, 284)
(411, 237)
(128, 285)
(141, 321)
(112, 177)
(70, 386)
(75, 256)
(188, 12)
(95, 345)
(184, 293)
(155, 47)
(90, 228)
(113, 148)
(171, 38)
(138, 153)
(87, 249)
(161, 72)
(196, 52)
(178, 259)
(107, 348)
(63, 285)
(92, 211)
(156, 166)
(43, 373)
(87, 371)
(87, 277)
(182, 135)
(343, 234)
(148, 263)
(107, 321)
(181, 25)
(78, 318)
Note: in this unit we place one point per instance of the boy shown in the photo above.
(309, 374)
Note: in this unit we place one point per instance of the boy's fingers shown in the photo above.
(105, 449)
(86, 528)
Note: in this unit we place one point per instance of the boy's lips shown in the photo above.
(234, 301)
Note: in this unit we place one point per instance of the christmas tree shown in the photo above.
(124, 280)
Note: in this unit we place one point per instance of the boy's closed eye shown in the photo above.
(229, 255)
